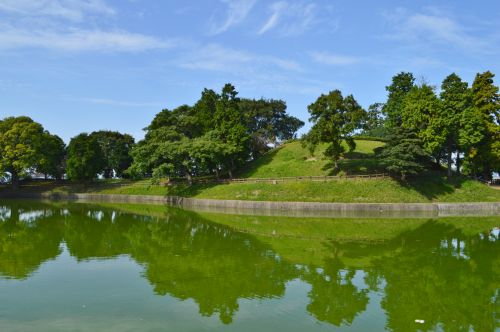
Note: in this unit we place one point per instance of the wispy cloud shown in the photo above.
(74, 10)
(277, 9)
(79, 40)
(296, 18)
(215, 57)
(57, 25)
(436, 28)
(327, 58)
(237, 11)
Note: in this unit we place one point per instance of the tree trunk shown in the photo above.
(487, 175)
(108, 173)
(449, 159)
(189, 178)
(458, 161)
(15, 180)
(403, 176)
(217, 173)
(231, 169)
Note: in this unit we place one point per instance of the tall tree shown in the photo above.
(422, 113)
(456, 104)
(486, 104)
(116, 150)
(401, 85)
(20, 146)
(85, 158)
(230, 128)
(268, 123)
(53, 152)
(335, 119)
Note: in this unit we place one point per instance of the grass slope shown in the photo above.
(293, 160)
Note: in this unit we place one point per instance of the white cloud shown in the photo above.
(334, 59)
(291, 18)
(277, 9)
(74, 10)
(237, 11)
(436, 28)
(79, 40)
(218, 58)
(40, 24)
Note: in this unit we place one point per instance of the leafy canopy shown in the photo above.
(334, 119)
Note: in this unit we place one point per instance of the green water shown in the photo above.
(78, 267)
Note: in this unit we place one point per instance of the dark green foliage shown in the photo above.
(53, 153)
(25, 147)
(116, 151)
(268, 122)
(85, 158)
(335, 119)
(484, 157)
(459, 125)
(421, 113)
(402, 83)
(403, 155)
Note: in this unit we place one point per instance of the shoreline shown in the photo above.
(299, 209)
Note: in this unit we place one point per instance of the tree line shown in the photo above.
(214, 137)
(459, 127)
(27, 148)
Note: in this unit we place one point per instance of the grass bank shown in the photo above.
(293, 160)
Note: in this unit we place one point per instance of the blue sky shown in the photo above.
(78, 66)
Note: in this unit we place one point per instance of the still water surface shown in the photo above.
(79, 267)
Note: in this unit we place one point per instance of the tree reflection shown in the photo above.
(443, 277)
(183, 256)
(334, 297)
(29, 235)
(434, 272)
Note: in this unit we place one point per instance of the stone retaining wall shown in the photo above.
(305, 209)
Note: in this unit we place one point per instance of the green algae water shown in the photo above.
(82, 267)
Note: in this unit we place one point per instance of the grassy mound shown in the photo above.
(294, 160)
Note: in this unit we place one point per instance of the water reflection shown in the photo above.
(446, 273)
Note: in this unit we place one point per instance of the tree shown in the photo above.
(456, 104)
(53, 152)
(403, 154)
(422, 113)
(85, 158)
(402, 83)
(485, 158)
(230, 128)
(20, 146)
(374, 122)
(335, 119)
(268, 122)
(116, 151)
